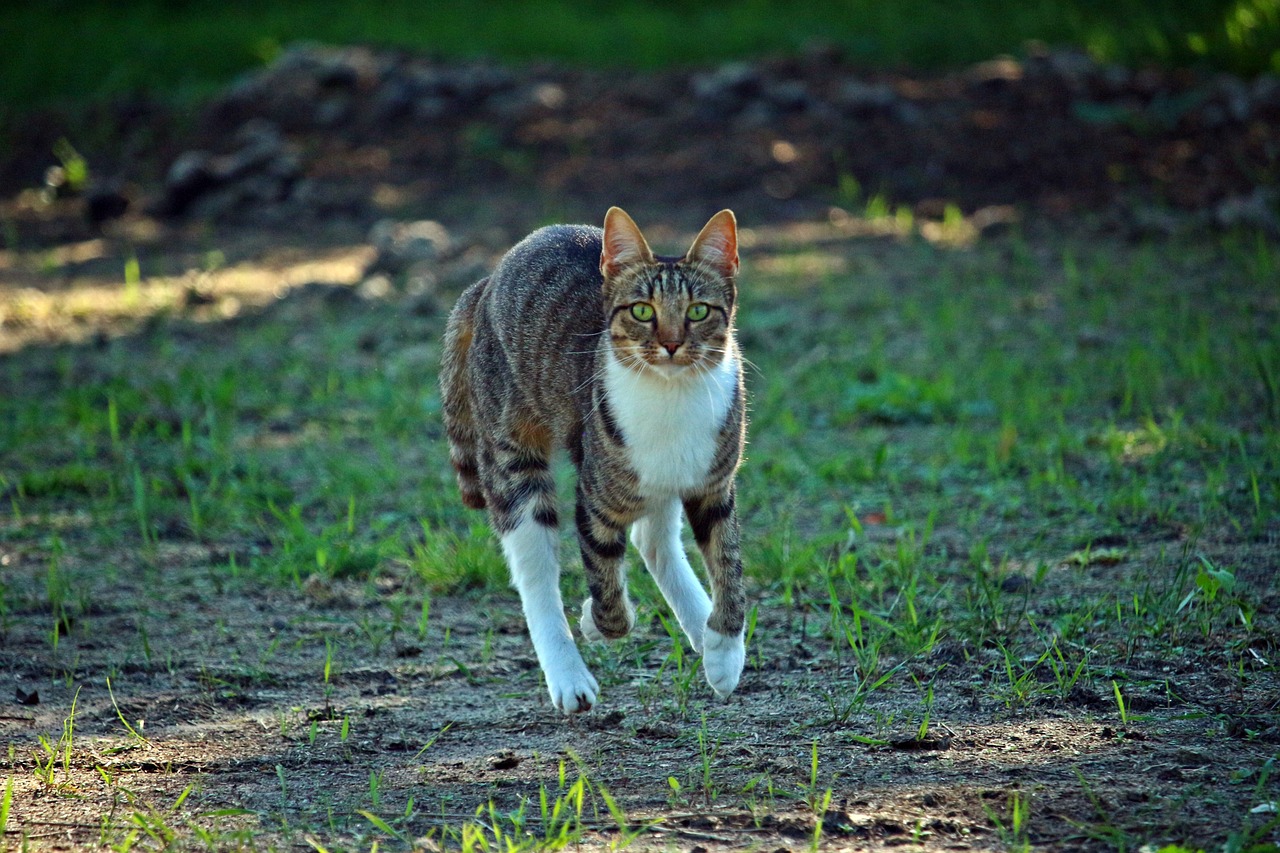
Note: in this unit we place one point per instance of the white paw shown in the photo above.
(588, 624)
(572, 687)
(723, 656)
(591, 631)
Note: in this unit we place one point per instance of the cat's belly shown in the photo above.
(671, 428)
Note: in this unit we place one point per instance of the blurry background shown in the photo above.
(62, 51)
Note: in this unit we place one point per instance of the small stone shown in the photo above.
(504, 760)
(103, 202)
(401, 245)
(789, 96)
(857, 97)
(189, 176)
(727, 89)
(332, 112)
(1256, 210)
(393, 100)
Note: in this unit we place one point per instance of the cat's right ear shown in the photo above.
(623, 244)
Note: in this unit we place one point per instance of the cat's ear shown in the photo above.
(717, 244)
(623, 244)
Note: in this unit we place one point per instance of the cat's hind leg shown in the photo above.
(455, 396)
(657, 537)
(521, 497)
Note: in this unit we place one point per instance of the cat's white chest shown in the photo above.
(671, 426)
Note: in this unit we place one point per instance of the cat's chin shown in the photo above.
(668, 370)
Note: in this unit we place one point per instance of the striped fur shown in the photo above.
(550, 351)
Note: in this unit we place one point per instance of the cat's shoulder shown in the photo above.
(562, 238)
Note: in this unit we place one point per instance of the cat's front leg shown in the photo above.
(657, 537)
(714, 520)
(530, 549)
(608, 613)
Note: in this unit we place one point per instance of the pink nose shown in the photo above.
(671, 347)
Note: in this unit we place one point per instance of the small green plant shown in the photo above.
(707, 755)
(136, 738)
(432, 742)
(57, 754)
(1120, 706)
(74, 167)
(1012, 826)
(6, 802)
(819, 820)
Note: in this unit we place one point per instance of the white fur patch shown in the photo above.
(671, 422)
(535, 572)
(657, 536)
(723, 656)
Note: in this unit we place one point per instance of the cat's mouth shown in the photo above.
(667, 364)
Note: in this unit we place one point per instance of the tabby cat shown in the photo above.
(582, 338)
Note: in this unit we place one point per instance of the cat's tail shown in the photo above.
(455, 395)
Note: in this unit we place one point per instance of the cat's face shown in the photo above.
(669, 316)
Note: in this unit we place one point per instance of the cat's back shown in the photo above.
(552, 264)
(539, 316)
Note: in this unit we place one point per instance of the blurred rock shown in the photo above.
(104, 201)
(1258, 209)
(402, 245)
(727, 89)
(261, 170)
(859, 98)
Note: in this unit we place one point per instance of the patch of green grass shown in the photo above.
(86, 49)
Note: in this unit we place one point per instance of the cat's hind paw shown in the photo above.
(723, 656)
(587, 625)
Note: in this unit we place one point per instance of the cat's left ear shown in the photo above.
(717, 244)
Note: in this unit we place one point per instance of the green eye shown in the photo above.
(697, 311)
(642, 311)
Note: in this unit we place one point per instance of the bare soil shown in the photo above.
(225, 678)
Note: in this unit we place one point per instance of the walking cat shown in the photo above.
(582, 338)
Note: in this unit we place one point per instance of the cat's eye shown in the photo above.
(697, 311)
(642, 311)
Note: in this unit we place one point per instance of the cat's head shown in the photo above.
(670, 315)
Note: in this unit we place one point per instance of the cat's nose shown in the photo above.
(671, 346)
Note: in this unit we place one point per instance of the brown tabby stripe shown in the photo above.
(611, 428)
(546, 516)
(609, 550)
(511, 500)
(703, 518)
(523, 464)
(727, 457)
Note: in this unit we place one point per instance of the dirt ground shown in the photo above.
(227, 685)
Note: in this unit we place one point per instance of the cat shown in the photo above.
(582, 338)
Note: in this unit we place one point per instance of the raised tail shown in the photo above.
(455, 394)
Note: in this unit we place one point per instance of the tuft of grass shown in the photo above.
(448, 561)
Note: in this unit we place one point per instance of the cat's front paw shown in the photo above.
(723, 656)
(587, 625)
(572, 687)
